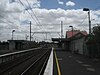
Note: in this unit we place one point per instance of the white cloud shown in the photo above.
(12, 15)
(60, 2)
(70, 3)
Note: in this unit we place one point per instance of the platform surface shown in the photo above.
(74, 64)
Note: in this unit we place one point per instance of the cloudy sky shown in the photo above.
(46, 16)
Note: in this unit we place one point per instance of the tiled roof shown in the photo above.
(69, 33)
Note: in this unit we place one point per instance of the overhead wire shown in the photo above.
(46, 24)
(86, 17)
(37, 21)
(9, 22)
(35, 15)
(33, 12)
(27, 11)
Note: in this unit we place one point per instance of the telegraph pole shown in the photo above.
(61, 29)
(89, 22)
(30, 30)
(13, 34)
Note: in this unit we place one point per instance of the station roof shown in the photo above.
(75, 32)
(17, 40)
(60, 39)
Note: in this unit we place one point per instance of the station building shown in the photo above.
(77, 41)
(21, 44)
(73, 42)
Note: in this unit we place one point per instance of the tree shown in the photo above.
(96, 33)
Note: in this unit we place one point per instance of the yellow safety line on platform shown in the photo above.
(59, 72)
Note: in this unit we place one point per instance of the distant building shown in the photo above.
(21, 44)
(16, 44)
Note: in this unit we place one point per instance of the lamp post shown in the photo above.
(72, 30)
(87, 9)
(13, 33)
(30, 30)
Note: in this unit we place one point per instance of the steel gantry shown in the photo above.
(45, 32)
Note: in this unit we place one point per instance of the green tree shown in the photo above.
(96, 33)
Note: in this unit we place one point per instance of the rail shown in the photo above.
(43, 58)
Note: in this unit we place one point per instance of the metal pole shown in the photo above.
(72, 31)
(30, 30)
(61, 29)
(46, 36)
(89, 22)
(12, 35)
(73, 41)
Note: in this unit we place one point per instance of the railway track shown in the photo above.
(20, 65)
(38, 67)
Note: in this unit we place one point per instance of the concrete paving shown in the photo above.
(74, 64)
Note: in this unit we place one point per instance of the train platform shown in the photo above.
(66, 63)
(7, 51)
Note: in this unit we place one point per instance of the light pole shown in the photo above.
(72, 30)
(87, 9)
(30, 30)
(13, 33)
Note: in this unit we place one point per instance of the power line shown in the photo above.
(33, 12)
(28, 12)
(83, 21)
(86, 17)
(9, 22)
(37, 22)
(35, 15)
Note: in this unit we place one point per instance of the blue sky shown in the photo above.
(53, 4)
(14, 16)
